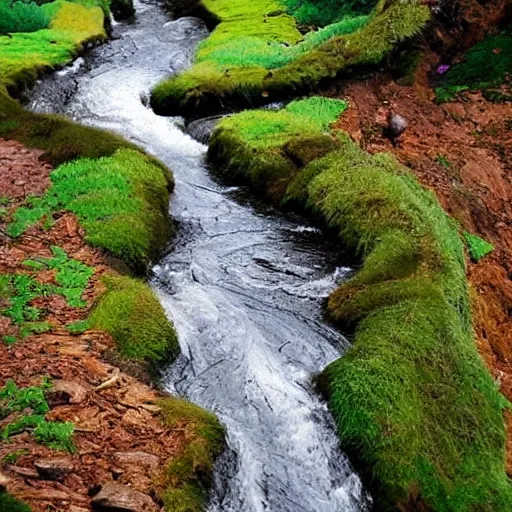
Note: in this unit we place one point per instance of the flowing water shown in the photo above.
(243, 286)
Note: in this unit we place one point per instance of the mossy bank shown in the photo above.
(415, 407)
(120, 197)
(258, 54)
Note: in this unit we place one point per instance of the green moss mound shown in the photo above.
(131, 313)
(10, 504)
(415, 406)
(257, 54)
(121, 201)
(267, 146)
(187, 477)
(486, 65)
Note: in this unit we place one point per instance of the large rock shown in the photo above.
(120, 498)
(122, 9)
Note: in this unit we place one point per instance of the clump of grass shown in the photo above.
(414, 404)
(121, 201)
(478, 247)
(185, 481)
(484, 66)
(233, 64)
(131, 313)
(323, 12)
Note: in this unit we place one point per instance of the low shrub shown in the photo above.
(22, 16)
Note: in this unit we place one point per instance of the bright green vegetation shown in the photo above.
(323, 12)
(186, 479)
(28, 406)
(477, 247)
(10, 504)
(266, 146)
(486, 65)
(120, 200)
(415, 406)
(22, 16)
(131, 313)
(17, 291)
(25, 53)
(257, 54)
(443, 160)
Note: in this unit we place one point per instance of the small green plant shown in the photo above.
(78, 327)
(32, 403)
(443, 160)
(11, 504)
(15, 399)
(17, 291)
(477, 247)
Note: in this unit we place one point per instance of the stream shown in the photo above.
(243, 285)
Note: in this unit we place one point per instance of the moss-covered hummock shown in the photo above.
(256, 54)
(131, 313)
(415, 406)
(184, 483)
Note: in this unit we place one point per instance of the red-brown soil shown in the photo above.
(114, 413)
(463, 152)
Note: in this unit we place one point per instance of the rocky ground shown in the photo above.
(121, 444)
(463, 152)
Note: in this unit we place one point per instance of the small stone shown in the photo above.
(55, 468)
(137, 458)
(4, 480)
(120, 498)
(396, 125)
(73, 508)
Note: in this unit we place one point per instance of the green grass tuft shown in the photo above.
(266, 146)
(477, 247)
(22, 16)
(131, 313)
(323, 12)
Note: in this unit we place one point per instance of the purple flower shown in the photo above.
(442, 69)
